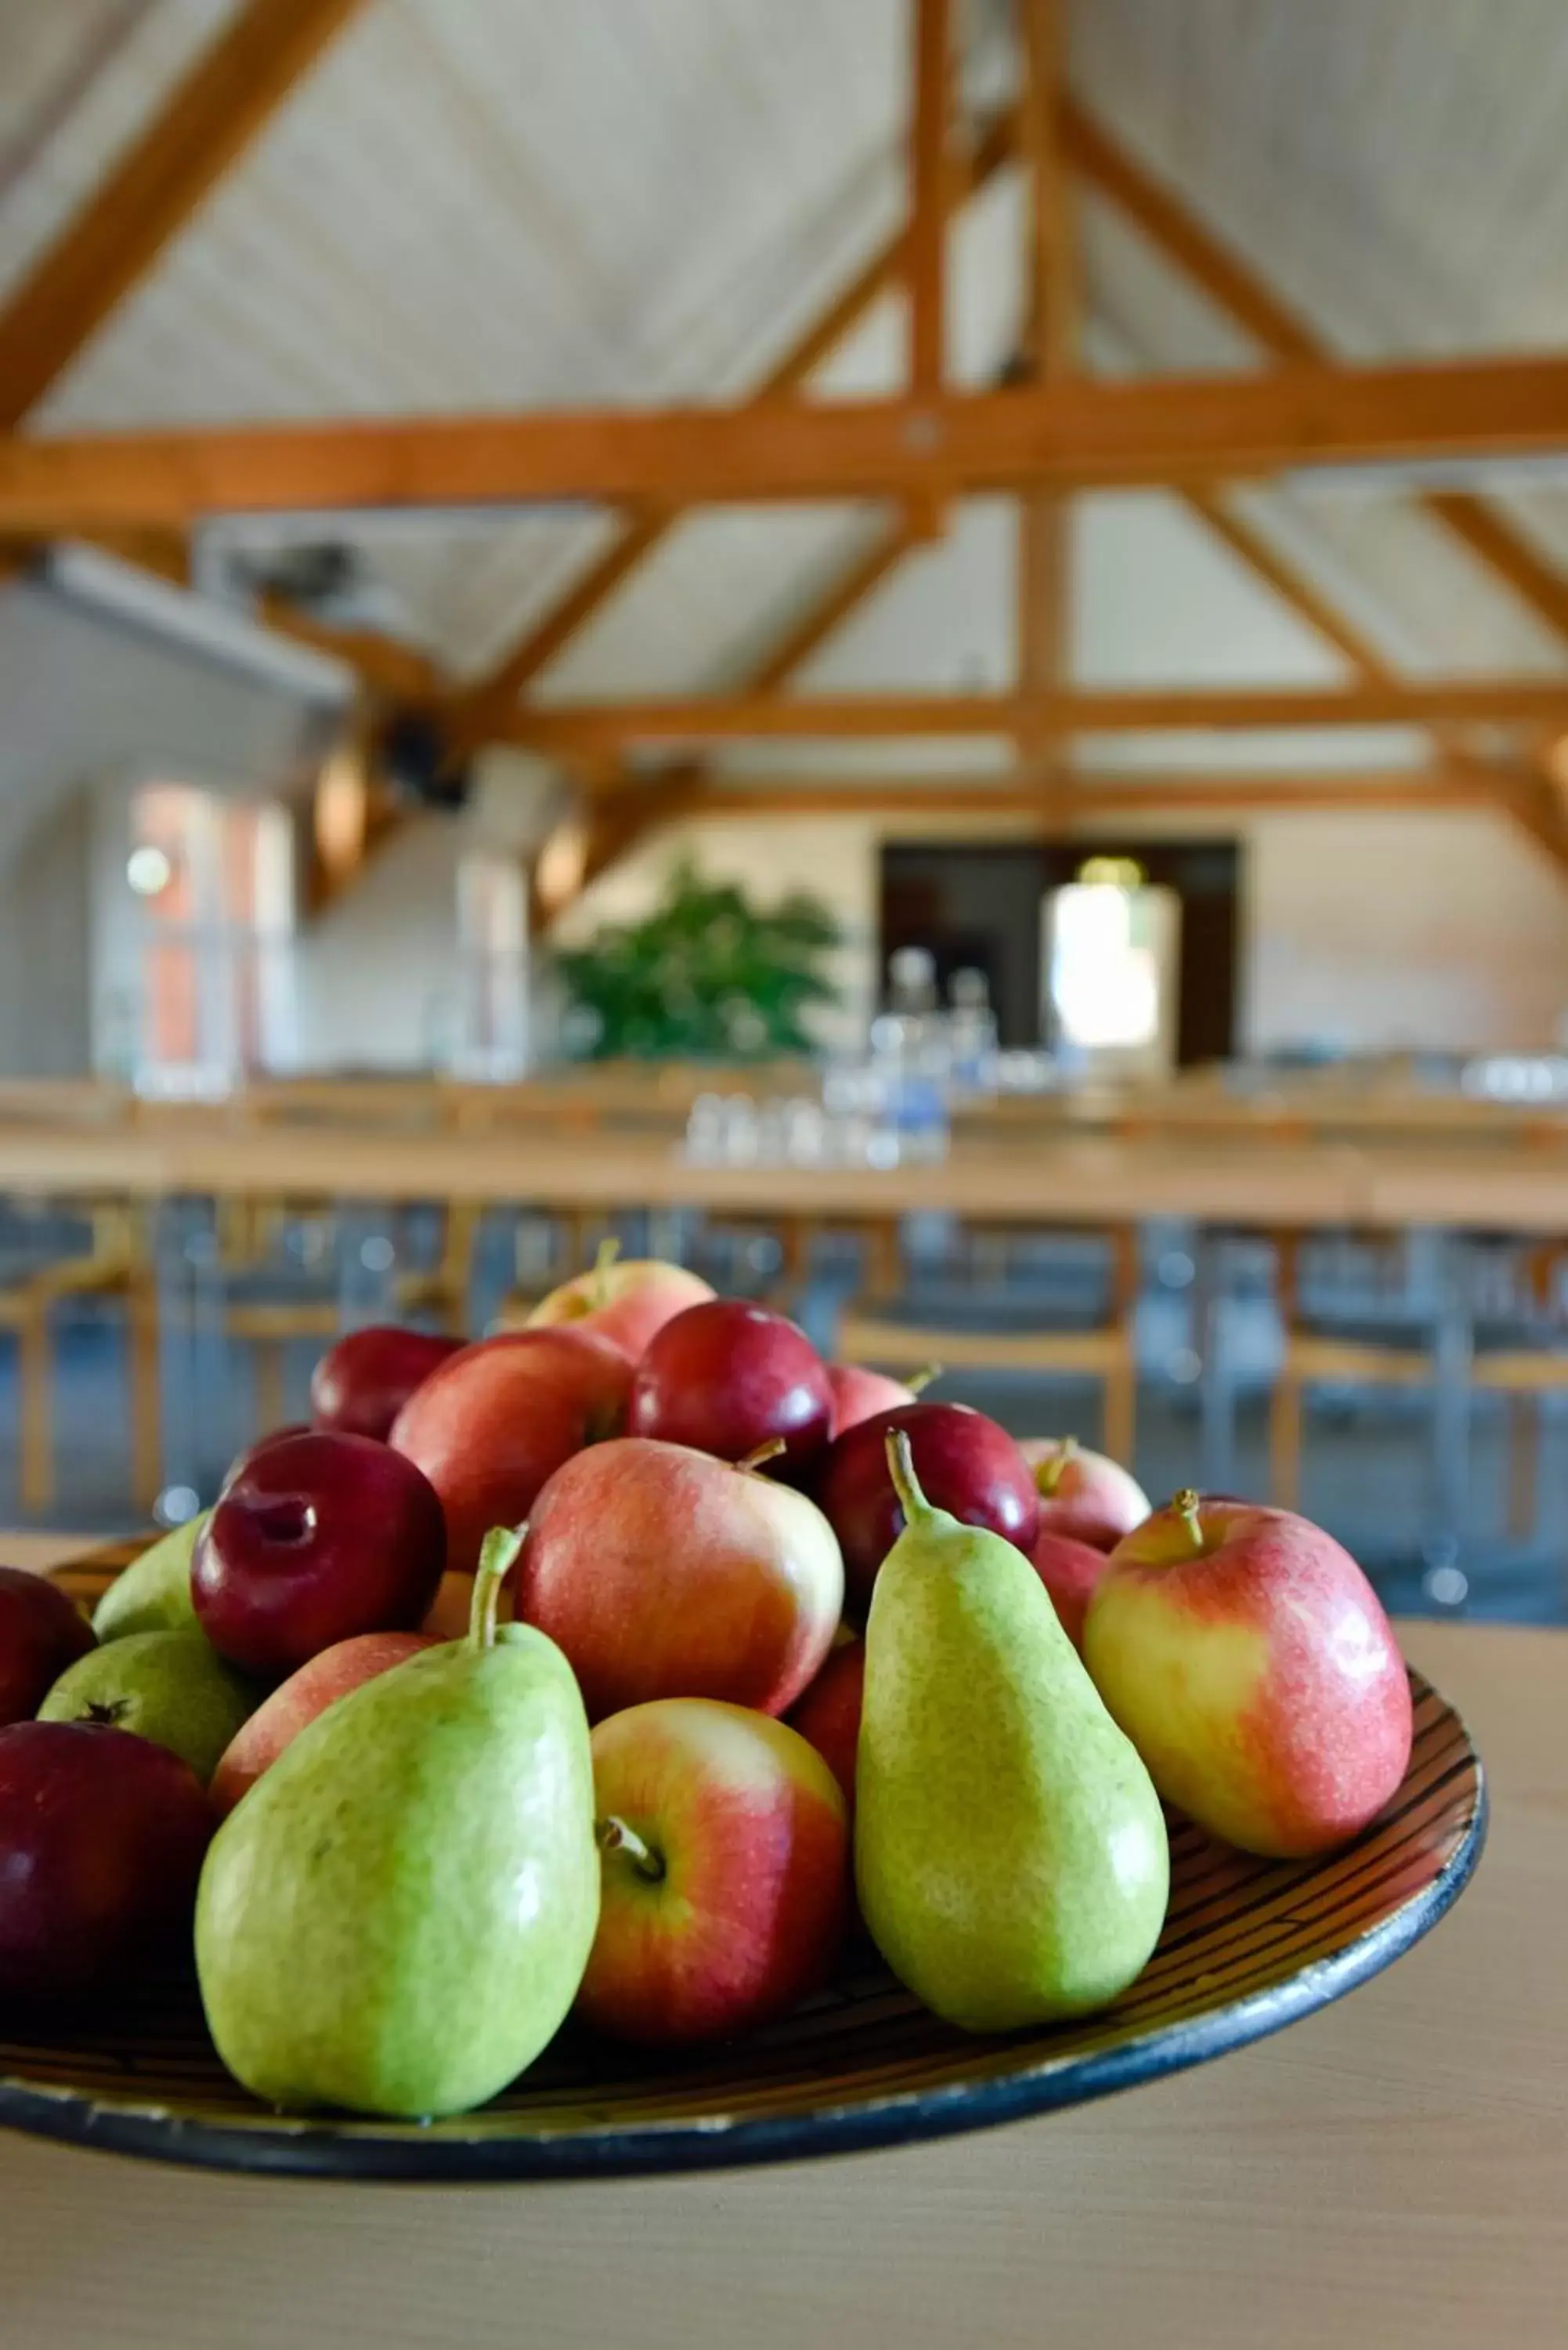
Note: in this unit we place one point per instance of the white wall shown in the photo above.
(375, 974)
(46, 1026)
(1372, 932)
(1382, 931)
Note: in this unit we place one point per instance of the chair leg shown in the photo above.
(883, 1262)
(268, 1359)
(1120, 1410)
(146, 1397)
(1524, 1464)
(1285, 1441)
(35, 1369)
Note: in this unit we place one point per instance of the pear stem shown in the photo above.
(923, 1379)
(1048, 1476)
(497, 1556)
(1187, 1505)
(905, 1484)
(764, 1453)
(613, 1835)
(605, 1255)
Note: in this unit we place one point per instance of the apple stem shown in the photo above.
(613, 1835)
(1187, 1506)
(1048, 1476)
(764, 1453)
(923, 1379)
(605, 1255)
(497, 1556)
(905, 1484)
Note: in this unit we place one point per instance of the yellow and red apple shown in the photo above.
(625, 1304)
(1069, 1570)
(859, 1394)
(1246, 1656)
(297, 1702)
(491, 1423)
(724, 1875)
(661, 1572)
(1086, 1495)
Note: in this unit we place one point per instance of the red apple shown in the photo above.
(1247, 1657)
(317, 1539)
(827, 1714)
(626, 1304)
(493, 1422)
(307, 1693)
(1069, 1570)
(965, 1463)
(102, 1837)
(725, 1873)
(728, 1378)
(362, 1383)
(41, 1632)
(1083, 1495)
(857, 1392)
(664, 1573)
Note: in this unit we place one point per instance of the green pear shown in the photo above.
(171, 1687)
(396, 1918)
(1010, 1850)
(153, 1595)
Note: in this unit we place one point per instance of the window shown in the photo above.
(214, 880)
(493, 968)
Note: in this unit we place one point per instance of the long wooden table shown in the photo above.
(1068, 1179)
(1392, 2173)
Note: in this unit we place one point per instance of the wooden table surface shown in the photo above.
(1391, 2172)
(1083, 1179)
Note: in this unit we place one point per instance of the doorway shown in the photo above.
(982, 906)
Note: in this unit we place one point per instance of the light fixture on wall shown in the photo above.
(1111, 873)
(148, 870)
(340, 813)
(563, 865)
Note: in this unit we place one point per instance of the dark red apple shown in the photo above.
(827, 1714)
(728, 1378)
(362, 1383)
(965, 1463)
(496, 1420)
(102, 1837)
(40, 1634)
(316, 1539)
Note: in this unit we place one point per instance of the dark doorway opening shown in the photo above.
(980, 905)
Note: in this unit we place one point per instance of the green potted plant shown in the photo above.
(708, 976)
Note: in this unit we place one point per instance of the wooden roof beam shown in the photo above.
(1235, 289)
(230, 96)
(1052, 321)
(646, 532)
(1162, 432)
(1099, 793)
(579, 728)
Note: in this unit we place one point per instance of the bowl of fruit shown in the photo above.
(630, 1743)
